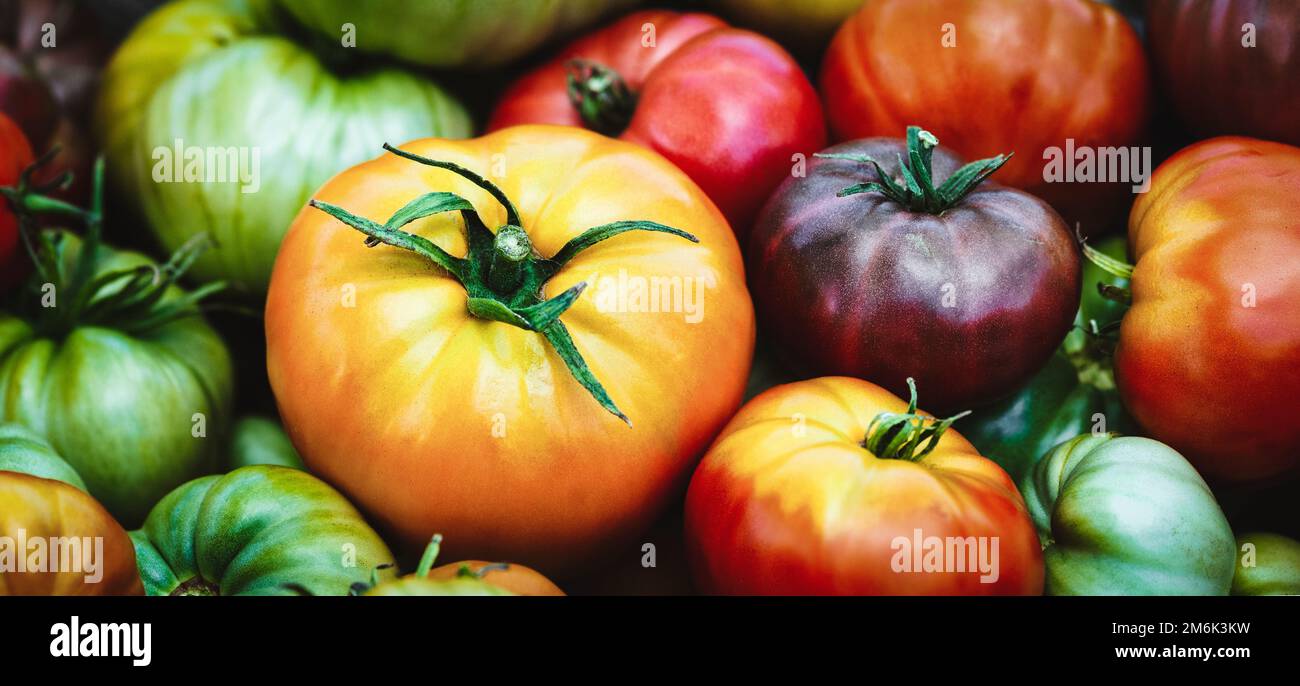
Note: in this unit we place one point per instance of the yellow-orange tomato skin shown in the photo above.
(1209, 354)
(432, 420)
(49, 510)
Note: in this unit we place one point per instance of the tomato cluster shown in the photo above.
(694, 290)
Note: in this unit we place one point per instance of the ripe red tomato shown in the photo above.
(1209, 354)
(727, 106)
(995, 76)
(815, 488)
(15, 156)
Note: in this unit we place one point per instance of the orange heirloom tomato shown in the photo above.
(834, 486)
(42, 499)
(1209, 353)
(444, 393)
(992, 76)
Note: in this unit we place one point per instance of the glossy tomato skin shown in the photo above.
(15, 156)
(432, 420)
(727, 106)
(1267, 564)
(1208, 360)
(1022, 77)
(1217, 84)
(788, 502)
(42, 497)
(259, 530)
(293, 123)
(970, 303)
(447, 580)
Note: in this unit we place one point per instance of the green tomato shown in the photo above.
(1127, 516)
(215, 120)
(449, 33)
(135, 412)
(803, 23)
(1267, 564)
(260, 530)
(257, 440)
(23, 451)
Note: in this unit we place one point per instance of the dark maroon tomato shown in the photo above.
(968, 287)
(1230, 66)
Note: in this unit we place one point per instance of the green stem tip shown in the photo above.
(899, 435)
(601, 96)
(916, 188)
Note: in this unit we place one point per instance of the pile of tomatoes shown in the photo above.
(795, 298)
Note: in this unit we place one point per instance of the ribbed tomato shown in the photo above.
(728, 106)
(836, 486)
(1209, 354)
(996, 76)
(481, 417)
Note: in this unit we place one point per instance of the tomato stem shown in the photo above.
(915, 189)
(601, 96)
(502, 273)
(430, 556)
(898, 435)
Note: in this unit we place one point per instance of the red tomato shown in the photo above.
(1209, 354)
(15, 156)
(790, 500)
(995, 76)
(727, 106)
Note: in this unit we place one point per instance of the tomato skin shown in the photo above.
(1219, 86)
(1008, 85)
(1208, 360)
(773, 510)
(447, 580)
(727, 106)
(42, 497)
(808, 24)
(15, 156)
(259, 530)
(1003, 256)
(474, 428)
(1274, 568)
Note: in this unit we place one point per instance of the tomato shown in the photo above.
(43, 499)
(435, 411)
(1267, 564)
(1209, 353)
(112, 363)
(1072, 394)
(835, 486)
(968, 291)
(1127, 516)
(997, 76)
(450, 33)
(258, 440)
(259, 530)
(805, 24)
(729, 107)
(1230, 66)
(15, 156)
(215, 121)
(466, 578)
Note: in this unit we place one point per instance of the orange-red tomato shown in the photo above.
(995, 76)
(34, 508)
(1209, 354)
(789, 501)
(517, 579)
(15, 156)
(432, 419)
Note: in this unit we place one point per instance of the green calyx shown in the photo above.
(131, 300)
(916, 190)
(602, 98)
(502, 273)
(900, 435)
